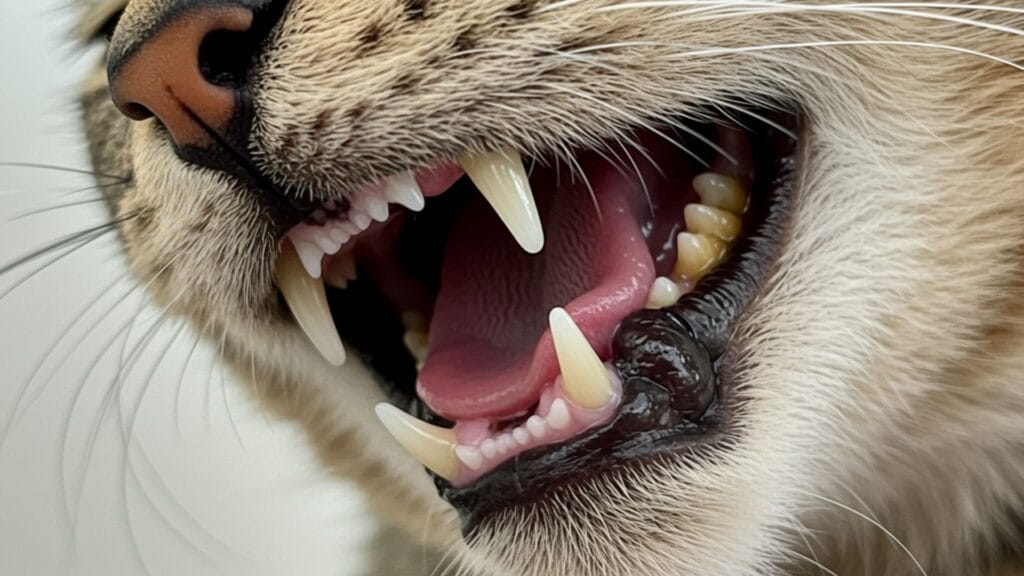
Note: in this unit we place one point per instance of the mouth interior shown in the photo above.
(454, 314)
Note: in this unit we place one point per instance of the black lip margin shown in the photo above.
(648, 424)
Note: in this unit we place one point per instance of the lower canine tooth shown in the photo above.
(697, 255)
(501, 178)
(308, 302)
(584, 377)
(665, 292)
(416, 343)
(433, 446)
(720, 191)
(701, 219)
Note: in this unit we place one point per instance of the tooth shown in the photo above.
(416, 343)
(350, 228)
(501, 178)
(536, 426)
(337, 234)
(558, 415)
(701, 219)
(584, 377)
(377, 208)
(340, 271)
(403, 190)
(308, 302)
(720, 191)
(360, 219)
(311, 256)
(664, 292)
(521, 435)
(470, 456)
(414, 320)
(697, 255)
(327, 243)
(433, 446)
(489, 448)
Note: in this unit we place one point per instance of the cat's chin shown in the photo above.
(539, 323)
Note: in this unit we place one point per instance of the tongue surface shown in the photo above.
(490, 350)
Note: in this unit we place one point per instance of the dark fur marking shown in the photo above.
(370, 36)
(323, 119)
(416, 9)
(407, 82)
(357, 112)
(465, 41)
(521, 9)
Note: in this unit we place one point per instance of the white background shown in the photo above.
(211, 485)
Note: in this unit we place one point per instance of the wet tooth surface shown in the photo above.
(697, 255)
(664, 292)
(404, 191)
(585, 378)
(307, 300)
(701, 219)
(501, 178)
(432, 446)
(720, 191)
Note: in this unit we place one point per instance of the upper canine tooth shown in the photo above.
(308, 302)
(433, 446)
(701, 219)
(501, 178)
(403, 190)
(697, 255)
(720, 191)
(584, 377)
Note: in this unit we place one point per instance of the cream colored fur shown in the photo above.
(883, 362)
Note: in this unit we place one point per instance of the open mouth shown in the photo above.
(539, 321)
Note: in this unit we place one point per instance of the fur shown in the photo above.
(882, 365)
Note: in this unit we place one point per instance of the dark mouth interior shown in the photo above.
(672, 362)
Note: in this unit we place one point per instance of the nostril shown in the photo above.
(192, 70)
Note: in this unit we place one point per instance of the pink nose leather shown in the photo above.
(162, 77)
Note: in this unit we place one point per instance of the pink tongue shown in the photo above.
(490, 350)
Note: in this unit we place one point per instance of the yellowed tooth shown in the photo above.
(501, 178)
(416, 343)
(697, 255)
(340, 271)
(308, 302)
(432, 446)
(720, 191)
(664, 292)
(584, 377)
(701, 219)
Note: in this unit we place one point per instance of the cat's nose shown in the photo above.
(190, 68)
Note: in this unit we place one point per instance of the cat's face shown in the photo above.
(878, 145)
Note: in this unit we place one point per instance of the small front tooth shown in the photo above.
(507, 442)
(327, 243)
(376, 207)
(536, 426)
(470, 456)
(665, 292)
(701, 219)
(337, 234)
(584, 377)
(558, 415)
(521, 436)
(340, 271)
(501, 178)
(308, 302)
(433, 446)
(720, 191)
(349, 228)
(311, 256)
(404, 191)
(697, 255)
(489, 448)
(360, 219)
